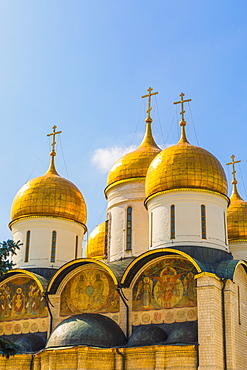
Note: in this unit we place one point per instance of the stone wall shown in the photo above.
(170, 357)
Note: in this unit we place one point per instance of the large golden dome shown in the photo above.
(96, 242)
(185, 166)
(135, 164)
(49, 195)
(237, 217)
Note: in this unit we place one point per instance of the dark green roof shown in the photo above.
(89, 329)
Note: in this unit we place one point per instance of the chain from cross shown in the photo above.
(53, 134)
(182, 101)
(233, 167)
(149, 100)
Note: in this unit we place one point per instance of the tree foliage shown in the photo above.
(8, 349)
(7, 249)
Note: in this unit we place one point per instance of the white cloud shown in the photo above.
(104, 158)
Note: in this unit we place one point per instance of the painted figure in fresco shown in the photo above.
(169, 286)
(18, 302)
(98, 289)
(7, 301)
(80, 288)
(145, 290)
(5, 304)
(33, 299)
(89, 291)
(190, 286)
(4, 301)
(2, 305)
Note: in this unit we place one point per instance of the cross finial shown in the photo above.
(234, 181)
(53, 134)
(182, 101)
(149, 100)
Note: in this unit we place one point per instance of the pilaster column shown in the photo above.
(210, 328)
(230, 322)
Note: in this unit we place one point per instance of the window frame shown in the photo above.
(76, 247)
(172, 221)
(27, 249)
(129, 226)
(53, 245)
(203, 222)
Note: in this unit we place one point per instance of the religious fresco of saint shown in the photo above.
(168, 283)
(91, 290)
(21, 298)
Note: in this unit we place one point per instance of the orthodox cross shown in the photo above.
(53, 134)
(149, 99)
(182, 101)
(233, 167)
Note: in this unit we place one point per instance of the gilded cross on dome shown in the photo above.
(233, 169)
(182, 101)
(53, 134)
(149, 100)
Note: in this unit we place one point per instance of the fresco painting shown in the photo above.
(21, 298)
(166, 284)
(89, 291)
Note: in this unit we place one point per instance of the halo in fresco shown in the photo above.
(21, 298)
(91, 290)
(166, 283)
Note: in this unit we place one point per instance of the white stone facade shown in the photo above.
(188, 220)
(238, 250)
(120, 197)
(68, 246)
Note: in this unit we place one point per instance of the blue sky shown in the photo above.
(83, 66)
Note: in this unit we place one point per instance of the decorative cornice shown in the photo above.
(44, 216)
(119, 182)
(185, 189)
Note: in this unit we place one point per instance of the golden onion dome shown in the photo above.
(49, 195)
(185, 166)
(237, 216)
(134, 165)
(96, 242)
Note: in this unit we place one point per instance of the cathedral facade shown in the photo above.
(162, 283)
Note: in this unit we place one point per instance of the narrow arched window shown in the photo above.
(27, 246)
(203, 221)
(129, 229)
(225, 232)
(76, 246)
(53, 245)
(172, 221)
(108, 234)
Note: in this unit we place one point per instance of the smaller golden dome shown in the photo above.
(49, 195)
(237, 216)
(185, 166)
(135, 164)
(96, 242)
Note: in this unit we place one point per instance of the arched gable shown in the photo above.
(40, 280)
(23, 308)
(163, 288)
(145, 258)
(86, 286)
(68, 267)
(241, 264)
